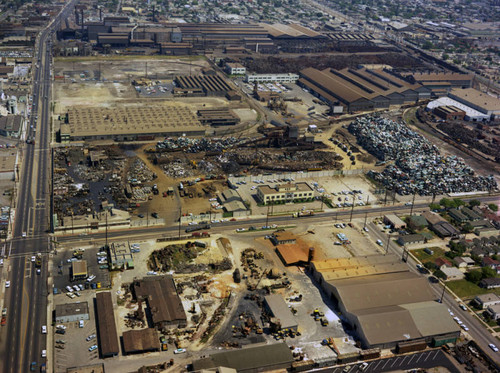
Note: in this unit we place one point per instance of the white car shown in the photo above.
(33, 258)
(81, 324)
(63, 327)
(92, 348)
(90, 337)
(180, 351)
(7, 284)
(44, 353)
(44, 329)
(493, 347)
(240, 229)
(23, 234)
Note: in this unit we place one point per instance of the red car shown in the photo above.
(4, 320)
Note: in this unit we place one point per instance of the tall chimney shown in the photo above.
(310, 257)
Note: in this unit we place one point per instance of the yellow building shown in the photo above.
(285, 193)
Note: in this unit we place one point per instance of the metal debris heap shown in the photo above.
(415, 164)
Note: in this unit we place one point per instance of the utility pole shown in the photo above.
(388, 242)
(352, 210)
(180, 216)
(106, 229)
(412, 203)
(366, 216)
(267, 215)
(442, 294)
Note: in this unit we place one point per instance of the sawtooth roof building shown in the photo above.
(385, 304)
(361, 89)
(130, 123)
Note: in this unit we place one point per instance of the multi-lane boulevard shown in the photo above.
(21, 341)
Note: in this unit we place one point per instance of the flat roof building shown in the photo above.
(384, 303)
(79, 270)
(280, 312)
(251, 359)
(106, 326)
(394, 221)
(70, 312)
(11, 125)
(272, 78)
(478, 100)
(94, 368)
(138, 341)
(130, 123)
(121, 256)
(164, 304)
(285, 193)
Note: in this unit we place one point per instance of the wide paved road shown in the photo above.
(21, 341)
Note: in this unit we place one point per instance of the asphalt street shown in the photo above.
(21, 341)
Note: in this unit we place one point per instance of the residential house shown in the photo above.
(494, 312)
(443, 263)
(410, 239)
(486, 300)
(417, 222)
(491, 263)
(490, 283)
(463, 261)
(458, 216)
(452, 273)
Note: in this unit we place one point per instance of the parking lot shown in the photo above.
(72, 348)
(343, 191)
(425, 360)
(62, 274)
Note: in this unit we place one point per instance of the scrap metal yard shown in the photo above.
(249, 186)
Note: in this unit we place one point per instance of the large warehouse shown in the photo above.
(384, 302)
(478, 100)
(362, 89)
(130, 123)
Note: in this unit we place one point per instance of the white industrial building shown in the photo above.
(273, 78)
(470, 113)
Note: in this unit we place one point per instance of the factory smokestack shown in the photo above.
(310, 257)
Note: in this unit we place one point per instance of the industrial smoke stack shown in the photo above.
(310, 257)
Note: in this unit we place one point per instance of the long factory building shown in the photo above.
(361, 89)
(129, 123)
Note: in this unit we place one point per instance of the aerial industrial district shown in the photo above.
(249, 186)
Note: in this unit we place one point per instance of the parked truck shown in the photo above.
(198, 227)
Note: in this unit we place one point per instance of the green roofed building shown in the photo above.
(254, 358)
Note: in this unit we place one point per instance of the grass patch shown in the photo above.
(497, 329)
(466, 289)
(421, 255)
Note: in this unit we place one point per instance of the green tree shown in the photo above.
(447, 203)
(467, 228)
(474, 203)
(440, 274)
(431, 266)
(458, 202)
(493, 207)
(474, 276)
(434, 206)
(488, 272)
